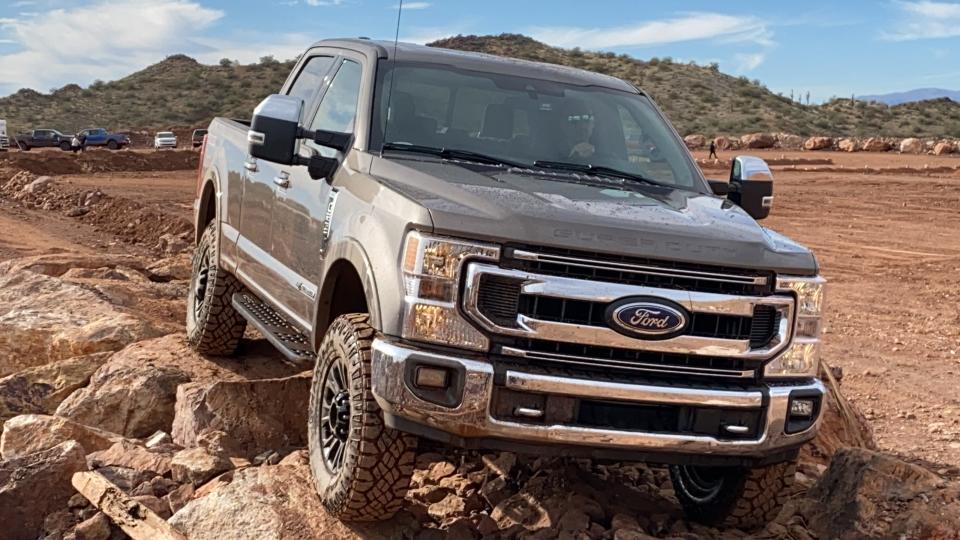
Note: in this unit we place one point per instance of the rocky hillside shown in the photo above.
(699, 99)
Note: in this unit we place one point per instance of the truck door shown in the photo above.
(301, 209)
(257, 264)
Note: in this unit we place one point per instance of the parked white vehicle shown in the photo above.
(4, 140)
(164, 139)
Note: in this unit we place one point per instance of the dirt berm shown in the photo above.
(51, 162)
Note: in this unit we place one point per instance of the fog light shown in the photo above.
(801, 408)
(429, 377)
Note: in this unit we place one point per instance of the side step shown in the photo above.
(283, 335)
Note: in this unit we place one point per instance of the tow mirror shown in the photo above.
(274, 129)
(750, 186)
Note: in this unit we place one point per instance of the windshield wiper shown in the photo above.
(598, 170)
(452, 153)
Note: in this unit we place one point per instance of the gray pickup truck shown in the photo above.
(500, 254)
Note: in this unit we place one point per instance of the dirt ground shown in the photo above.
(889, 244)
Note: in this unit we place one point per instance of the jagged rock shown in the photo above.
(245, 418)
(179, 497)
(133, 400)
(521, 509)
(31, 433)
(875, 144)
(847, 145)
(44, 319)
(911, 146)
(39, 390)
(197, 465)
(172, 244)
(818, 143)
(95, 528)
(758, 140)
(58, 523)
(36, 485)
(447, 508)
(131, 455)
(865, 494)
(695, 141)
(158, 507)
(943, 148)
(40, 185)
(125, 478)
(632, 534)
(177, 267)
(789, 141)
(725, 143)
(265, 503)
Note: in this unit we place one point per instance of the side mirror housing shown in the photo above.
(751, 186)
(275, 128)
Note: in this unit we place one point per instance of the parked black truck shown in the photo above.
(43, 138)
(501, 254)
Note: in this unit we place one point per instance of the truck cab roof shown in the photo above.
(478, 61)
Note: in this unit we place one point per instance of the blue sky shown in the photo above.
(826, 48)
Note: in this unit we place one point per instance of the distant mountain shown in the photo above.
(180, 92)
(910, 96)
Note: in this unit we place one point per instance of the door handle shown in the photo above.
(282, 179)
(250, 165)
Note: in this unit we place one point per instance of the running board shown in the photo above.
(284, 336)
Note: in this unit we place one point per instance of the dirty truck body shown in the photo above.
(425, 222)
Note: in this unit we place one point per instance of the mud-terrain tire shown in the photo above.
(733, 497)
(363, 471)
(214, 327)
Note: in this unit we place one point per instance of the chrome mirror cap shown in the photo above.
(746, 168)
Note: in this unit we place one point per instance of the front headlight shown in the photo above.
(802, 358)
(431, 276)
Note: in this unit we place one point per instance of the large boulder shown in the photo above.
(243, 418)
(130, 455)
(758, 140)
(865, 494)
(695, 141)
(266, 503)
(33, 486)
(197, 465)
(41, 389)
(875, 144)
(726, 143)
(818, 143)
(788, 141)
(911, 146)
(848, 145)
(135, 401)
(943, 148)
(31, 433)
(44, 319)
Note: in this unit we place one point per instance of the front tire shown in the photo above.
(65, 146)
(733, 497)
(214, 327)
(361, 468)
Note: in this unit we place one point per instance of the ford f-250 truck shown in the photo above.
(500, 254)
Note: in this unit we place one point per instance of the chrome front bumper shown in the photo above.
(471, 418)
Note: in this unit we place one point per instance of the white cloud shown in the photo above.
(925, 19)
(684, 27)
(748, 61)
(133, 35)
(412, 5)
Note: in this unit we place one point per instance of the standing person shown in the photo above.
(713, 150)
(83, 141)
(75, 143)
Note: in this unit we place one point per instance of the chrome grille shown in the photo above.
(645, 272)
(561, 320)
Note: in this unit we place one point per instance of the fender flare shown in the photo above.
(351, 251)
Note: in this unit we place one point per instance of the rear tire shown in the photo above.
(733, 497)
(24, 147)
(113, 145)
(65, 146)
(361, 468)
(214, 327)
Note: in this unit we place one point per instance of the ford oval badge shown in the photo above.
(647, 318)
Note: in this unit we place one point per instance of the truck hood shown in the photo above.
(511, 206)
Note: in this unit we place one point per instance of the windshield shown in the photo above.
(524, 120)
(163, 134)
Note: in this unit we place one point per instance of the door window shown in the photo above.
(310, 79)
(338, 110)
